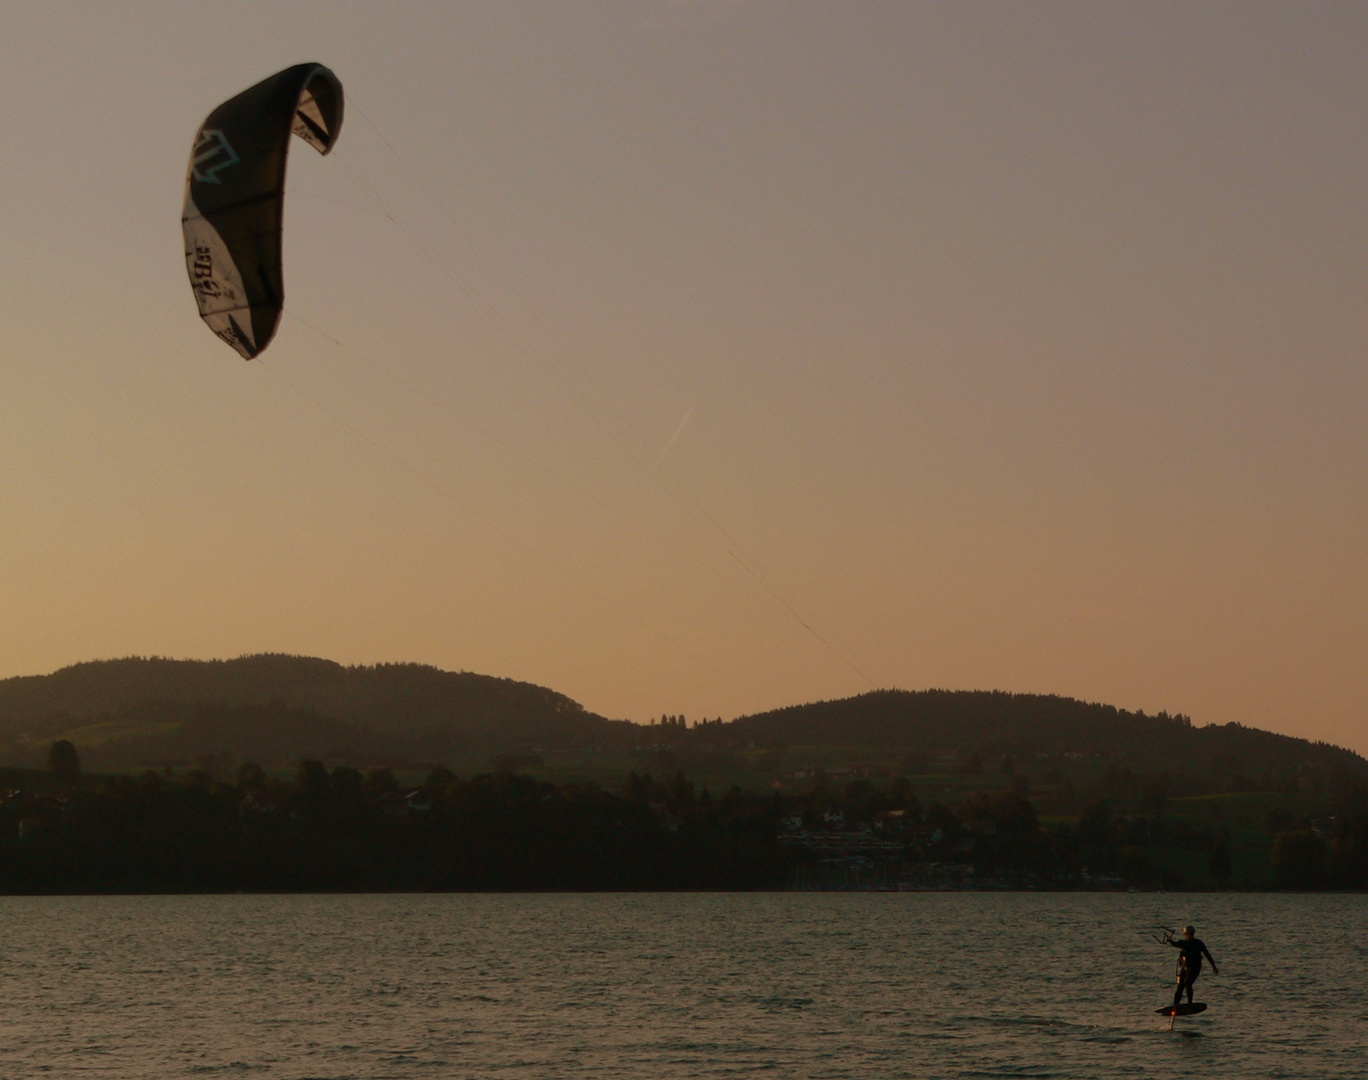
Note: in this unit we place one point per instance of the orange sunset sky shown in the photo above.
(705, 357)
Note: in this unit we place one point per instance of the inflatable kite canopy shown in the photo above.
(235, 198)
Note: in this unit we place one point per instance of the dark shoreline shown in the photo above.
(339, 831)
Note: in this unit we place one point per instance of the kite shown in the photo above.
(235, 198)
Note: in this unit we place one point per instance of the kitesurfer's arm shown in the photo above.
(1214, 969)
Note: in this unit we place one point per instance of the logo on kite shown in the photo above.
(213, 154)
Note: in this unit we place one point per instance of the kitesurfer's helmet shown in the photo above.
(1189, 931)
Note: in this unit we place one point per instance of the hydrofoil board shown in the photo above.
(1182, 1010)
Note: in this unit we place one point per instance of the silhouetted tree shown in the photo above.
(63, 761)
(438, 781)
(681, 792)
(311, 777)
(901, 796)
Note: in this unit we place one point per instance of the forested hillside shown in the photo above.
(138, 712)
(1027, 727)
(132, 714)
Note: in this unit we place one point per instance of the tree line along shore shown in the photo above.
(341, 828)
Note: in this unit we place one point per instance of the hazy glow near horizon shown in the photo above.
(705, 357)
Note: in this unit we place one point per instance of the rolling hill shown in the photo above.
(138, 713)
(1033, 726)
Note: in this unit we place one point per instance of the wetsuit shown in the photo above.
(1189, 965)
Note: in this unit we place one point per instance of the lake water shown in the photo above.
(859, 985)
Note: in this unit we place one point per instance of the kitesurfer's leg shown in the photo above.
(1192, 978)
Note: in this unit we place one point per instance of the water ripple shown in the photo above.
(863, 986)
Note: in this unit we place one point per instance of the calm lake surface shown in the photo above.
(859, 985)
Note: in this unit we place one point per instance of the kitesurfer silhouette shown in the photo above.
(1190, 951)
